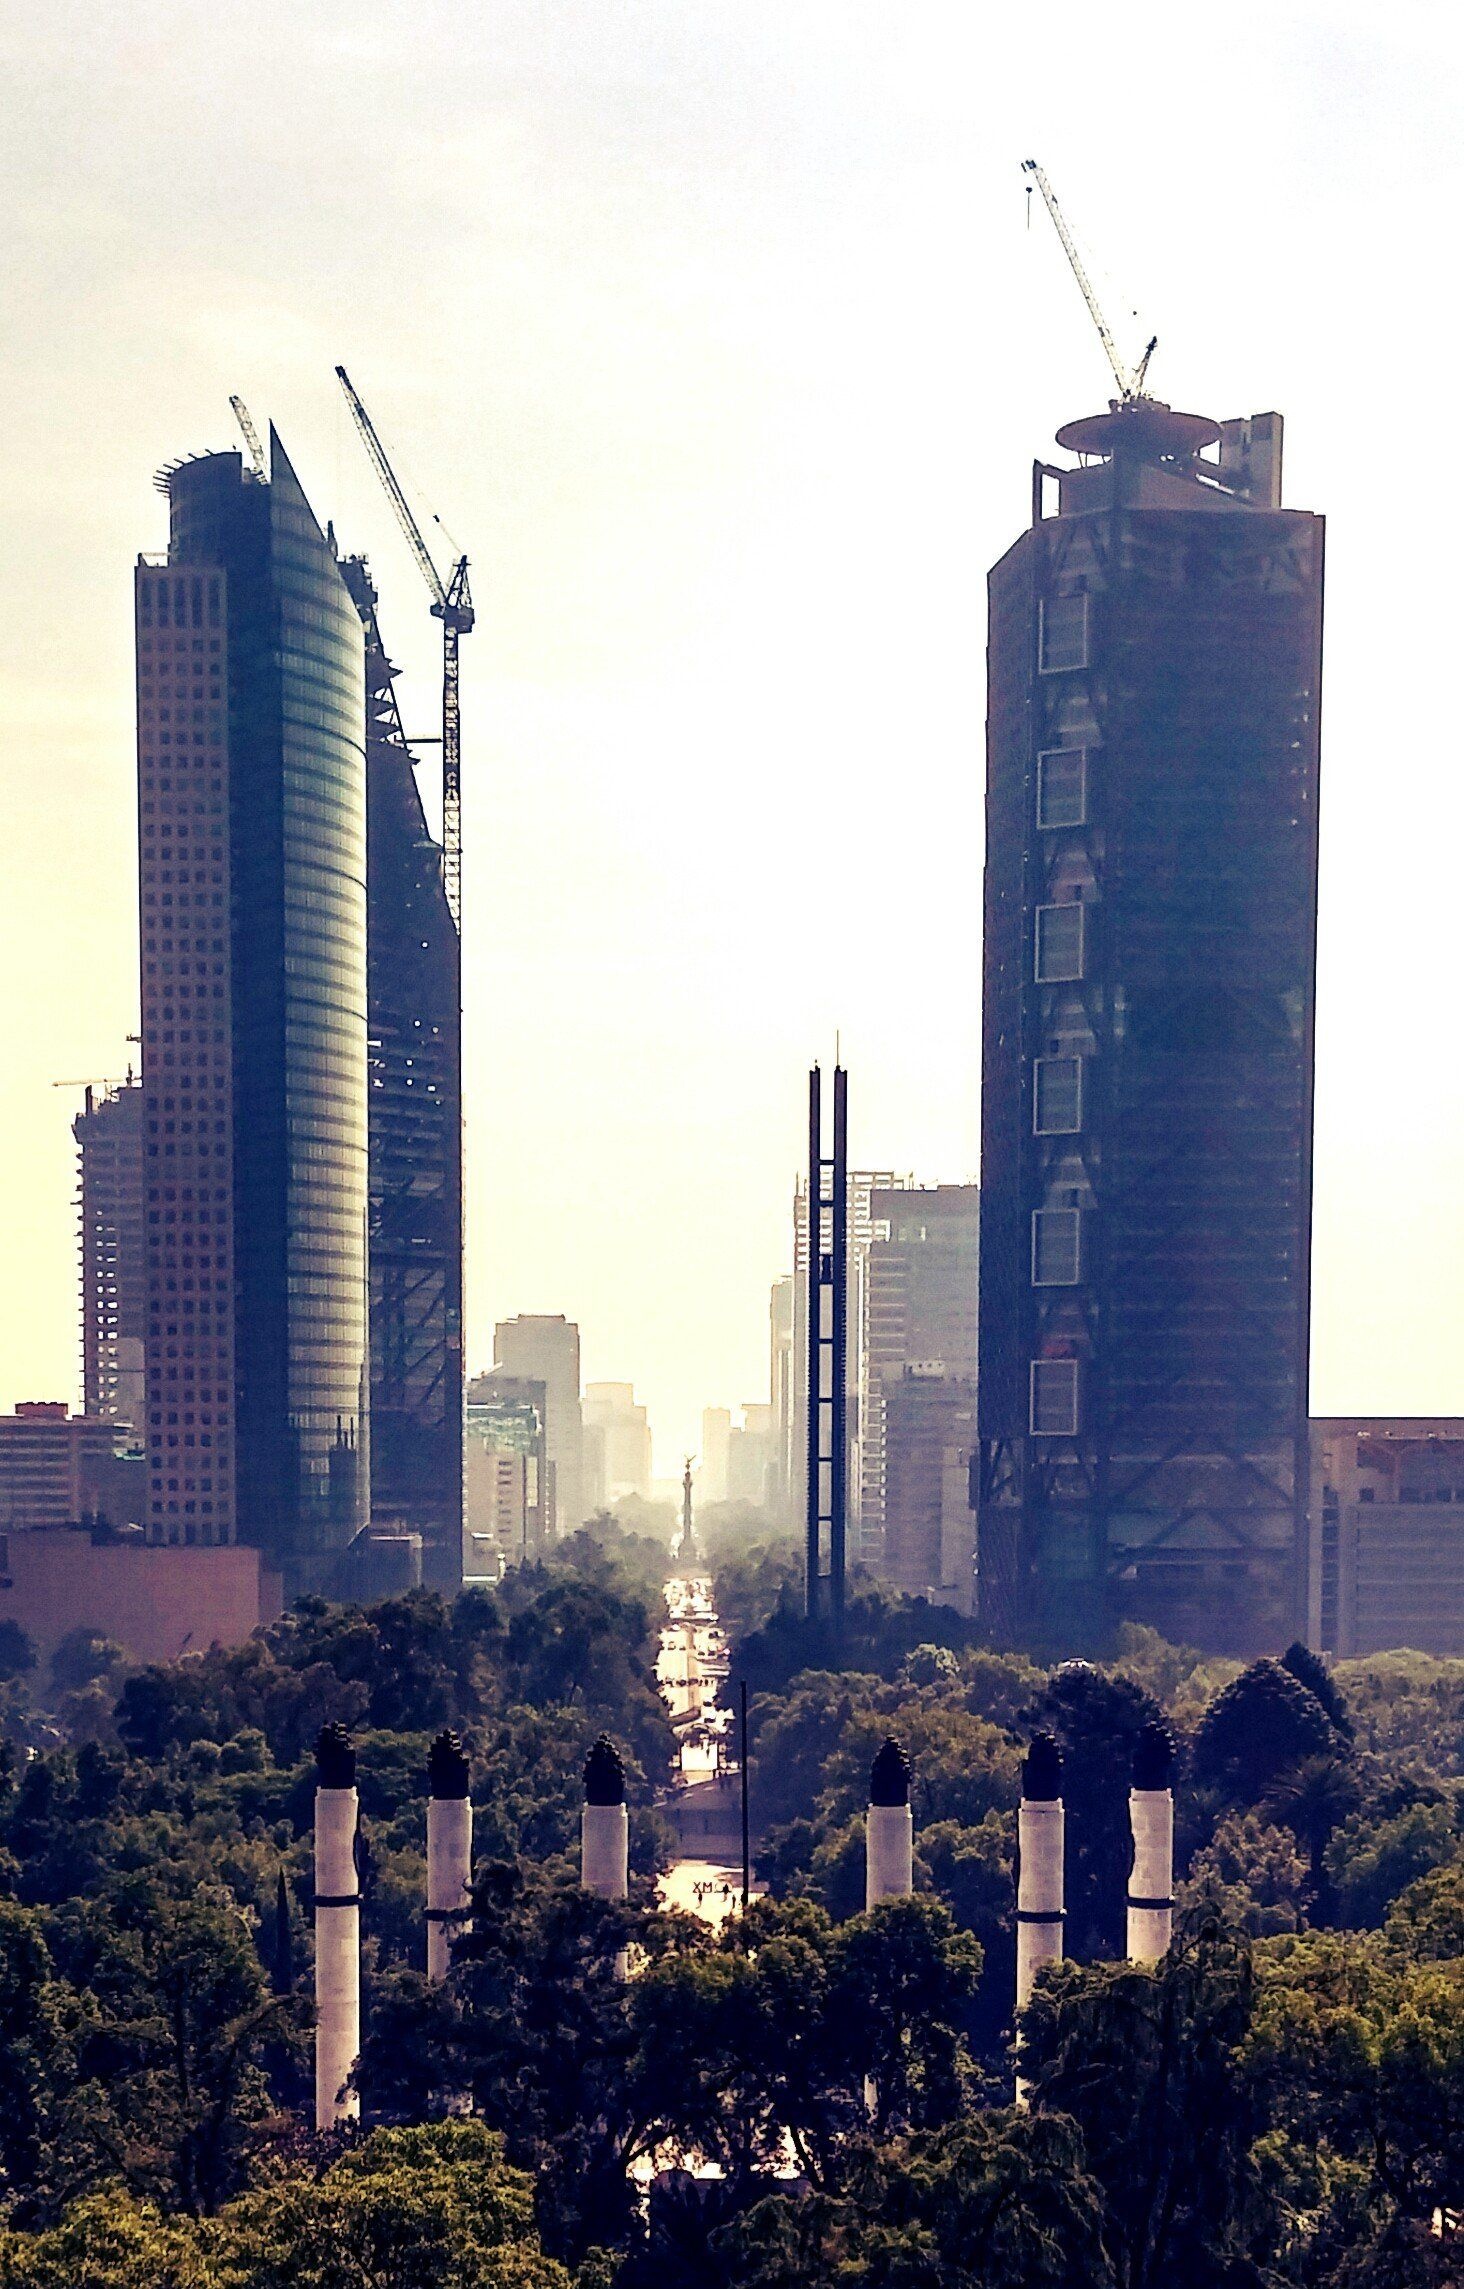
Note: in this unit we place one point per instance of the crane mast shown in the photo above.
(452, 604)
(1130, 385)
(251, 436)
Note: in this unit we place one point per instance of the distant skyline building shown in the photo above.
(1387, 1528)
(507, 1513)
(545, 1347)
(862, 1184)
(111, 1160)
(252, 797)
(921, 1296)
(929, 1436)
(617, 1445)
(414, 1050)
(783, 1382)
(1147, 1043)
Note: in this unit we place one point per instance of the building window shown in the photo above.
(1057, 1096)
(1053, 1399)
(1057, 1246)
(1062, 787)
(1062, 633)
(1059, 951)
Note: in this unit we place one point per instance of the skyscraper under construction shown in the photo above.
(1149, 971)
(415, 1134)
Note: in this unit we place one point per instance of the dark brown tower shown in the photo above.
(1150, 926)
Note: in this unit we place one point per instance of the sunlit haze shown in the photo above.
(717, 335)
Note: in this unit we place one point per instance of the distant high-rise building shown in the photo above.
(507, 1512)
(1149, 960)
(716, 1443)
(920, 1309)
(752, 1457)
(415, 1236)
(929, 1426)
(863, 1183)
(617, 1445)
(252, 796)
(1387, 1535)
(544, 1346)
(782, 1385)
(110, 1143)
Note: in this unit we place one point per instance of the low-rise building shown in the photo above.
(157, 1602)
(57, 1468)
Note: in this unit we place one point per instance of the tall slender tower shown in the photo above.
(252, 829)
(415, 1238)
(826, 1321)
(1150, 930)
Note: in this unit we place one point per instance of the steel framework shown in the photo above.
(827, 1320)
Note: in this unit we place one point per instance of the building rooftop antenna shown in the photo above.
(1130, 384)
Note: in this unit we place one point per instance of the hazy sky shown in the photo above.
(714, 332)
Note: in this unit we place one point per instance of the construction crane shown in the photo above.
(1130, 385)
(251, 436)
(452, 604)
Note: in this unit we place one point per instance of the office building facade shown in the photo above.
(929, 1426)
(110, 1137)
(543, 1347)
(1149, 969)
(414, 1128)
(252, 829)
(920, 1310)
(60, 1469)
(1387, 1535)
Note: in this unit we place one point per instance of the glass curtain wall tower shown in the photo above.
(1150, 930)
(252, 795)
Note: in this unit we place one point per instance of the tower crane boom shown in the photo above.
(251, 436)
(1130, 386)
(452, 604)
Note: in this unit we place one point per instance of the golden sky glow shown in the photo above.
(713, 331)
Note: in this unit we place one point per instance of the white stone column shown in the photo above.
(449, 1850)
(337, 1929)
(889, 1828)
(1039, 1870)
(1151, 1817)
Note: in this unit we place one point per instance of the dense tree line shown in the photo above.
(1280, 2102)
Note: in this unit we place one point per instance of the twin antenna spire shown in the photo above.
(1130, 383)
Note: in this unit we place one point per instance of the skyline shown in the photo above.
(722, 398)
